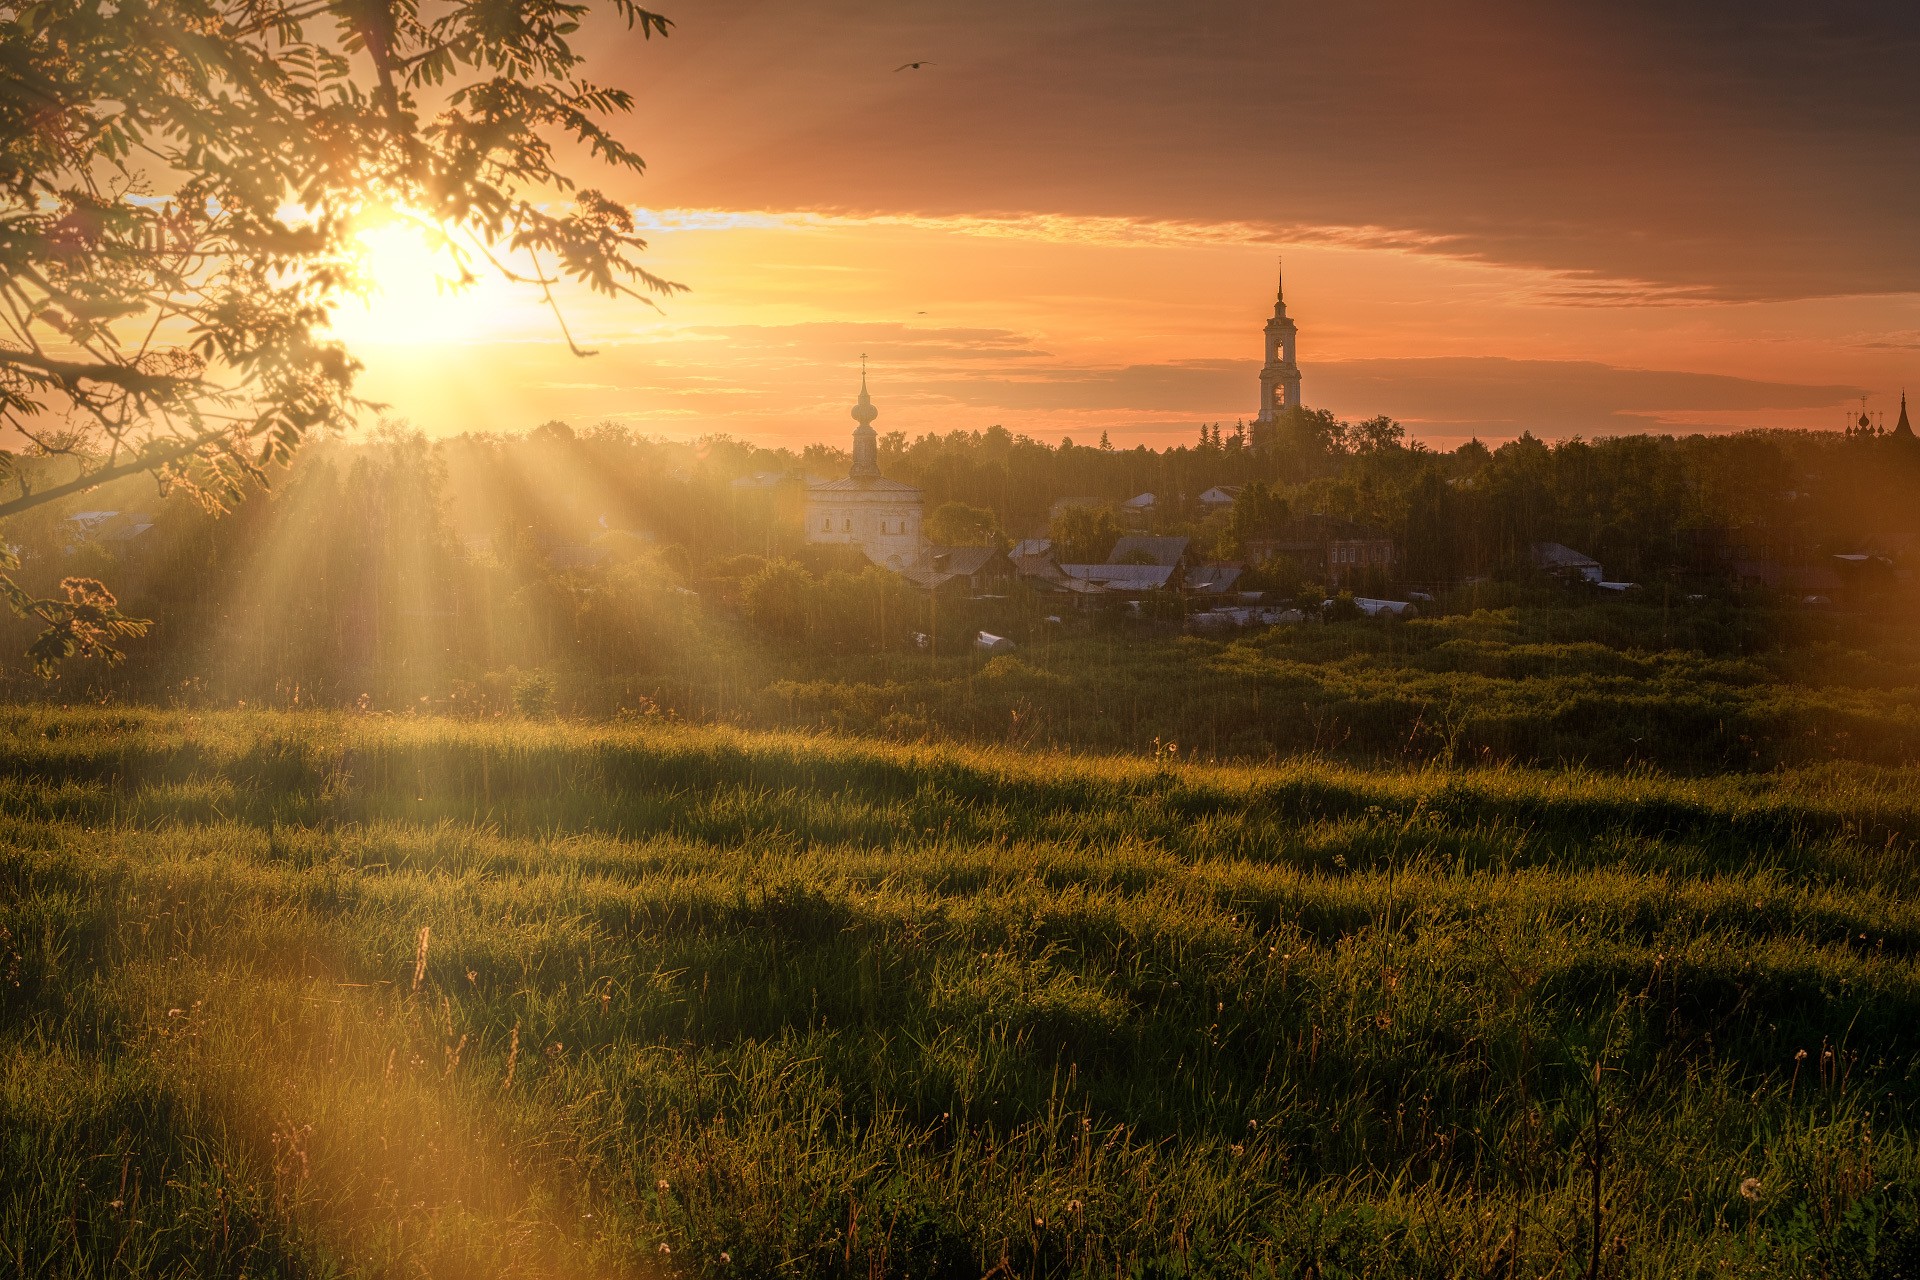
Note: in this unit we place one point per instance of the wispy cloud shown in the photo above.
(1493, 395)
(1574, 288)
(1051, 228)
(1904, 340)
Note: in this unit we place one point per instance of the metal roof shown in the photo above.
(1552, 555)
(1144, 577)
(1212, 577)
(862, 484)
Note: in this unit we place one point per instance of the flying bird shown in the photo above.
(911, 66)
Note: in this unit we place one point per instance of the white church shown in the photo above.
(867, 510)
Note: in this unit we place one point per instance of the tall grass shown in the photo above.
(1614, 686)
(317, 994)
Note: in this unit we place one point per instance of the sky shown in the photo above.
(1567, 218)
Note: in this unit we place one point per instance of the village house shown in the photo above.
(1140, 548)
(1212, 579)
(1039, 572)
(1125, 579)
(1333, 550)
(973, 571)
(1139, 563)
(1564, 562)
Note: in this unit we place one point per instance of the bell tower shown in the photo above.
(1279, 375)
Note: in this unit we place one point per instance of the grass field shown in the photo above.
(1701, 689)
(328, 995)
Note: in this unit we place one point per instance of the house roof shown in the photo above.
(1139, 501)
(1212, 577)
(967, 560)
(1552, 555)
(1222, 493)
(112, 526)
(1043, 570)
(940, 565)
(862, 484)
(1166, 552)
(1031, 547)
(135, 526)
(1138, 577)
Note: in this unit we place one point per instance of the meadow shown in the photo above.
(332, 994)
(1700, 688)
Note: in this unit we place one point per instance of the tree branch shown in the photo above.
(147, 461)
(124, 376)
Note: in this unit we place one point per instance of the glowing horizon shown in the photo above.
(1503, 218)
(1070, 327)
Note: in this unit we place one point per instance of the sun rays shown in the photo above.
(397, 573)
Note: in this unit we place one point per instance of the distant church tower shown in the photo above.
(866, 441)
(1903, 430)
(866, 509)
(1279, 375)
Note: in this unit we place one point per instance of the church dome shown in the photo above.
(863, 412)
(866, 456)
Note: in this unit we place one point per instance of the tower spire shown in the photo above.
(866, 458)
(1280, 288)
(1903, 429)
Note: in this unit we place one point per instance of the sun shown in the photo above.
(418, 289)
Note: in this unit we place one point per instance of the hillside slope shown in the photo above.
(352, 995)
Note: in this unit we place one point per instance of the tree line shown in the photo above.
(399, 567)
